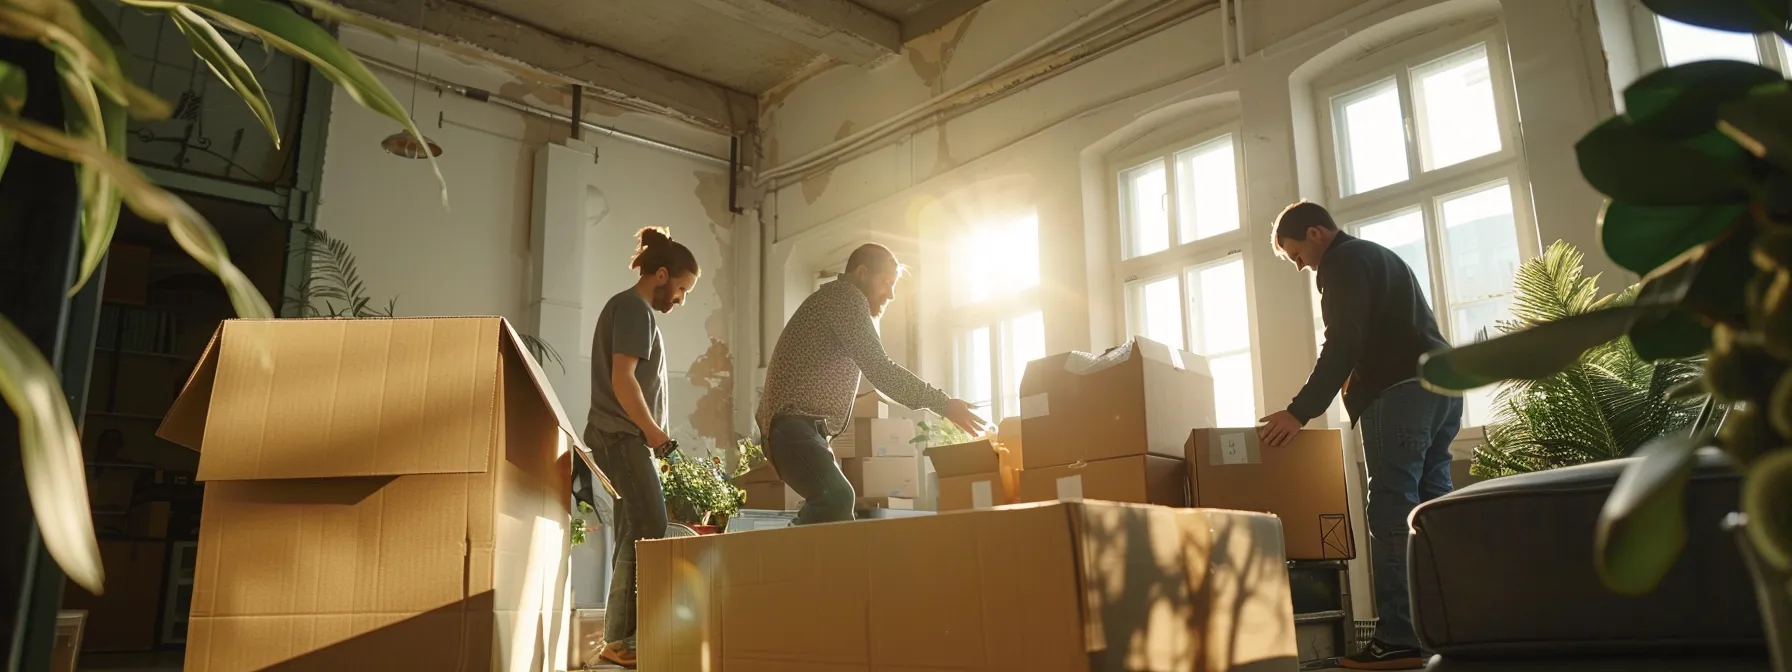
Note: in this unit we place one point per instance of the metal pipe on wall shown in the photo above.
(487, 97)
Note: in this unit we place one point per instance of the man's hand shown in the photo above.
(960, 414)
(657, 441)
(1278, 428)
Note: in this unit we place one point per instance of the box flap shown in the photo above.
(546, 390)
(329, 398)
(976, 457)
(184, 425)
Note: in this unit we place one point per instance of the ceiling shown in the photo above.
(740, 44)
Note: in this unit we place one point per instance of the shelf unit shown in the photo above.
(1324, 623)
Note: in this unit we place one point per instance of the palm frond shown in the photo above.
(1606, 405)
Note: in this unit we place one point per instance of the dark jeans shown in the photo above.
(798, 449)
(1406, 442)
(640, 515)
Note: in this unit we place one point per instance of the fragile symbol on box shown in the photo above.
(1233, 449)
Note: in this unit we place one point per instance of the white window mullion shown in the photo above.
(1440, 276)
(1415, 163)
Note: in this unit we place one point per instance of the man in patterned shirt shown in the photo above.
(814, 377)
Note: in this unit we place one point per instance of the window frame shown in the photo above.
(1651, 54)
(1181, 257)
(999, 337)
(1189, 322)
(1165, 155)
(1426, 190)
(994, 313)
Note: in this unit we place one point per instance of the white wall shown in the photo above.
(1044, 144)
(473, 257)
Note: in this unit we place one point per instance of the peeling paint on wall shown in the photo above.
(930, 54)
(816, 185)
(942, 159)
(712, 373)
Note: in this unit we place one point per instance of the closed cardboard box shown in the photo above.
(1053, 588)
(1301, 482)
(875, 437)
(881, 476)
(1141, 479)
(379, 494)
(869, 405)
(973, 476)
(775, 496)
(894, 503)
(1141, 398)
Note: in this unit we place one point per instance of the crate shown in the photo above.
(1324, 624)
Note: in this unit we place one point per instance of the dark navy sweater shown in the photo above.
(1377, 324)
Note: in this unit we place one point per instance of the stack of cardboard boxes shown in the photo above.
(876, 453)
(1136, 424)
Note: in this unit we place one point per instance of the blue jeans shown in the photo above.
(798, 448)
(640, 515)
(1406, 442)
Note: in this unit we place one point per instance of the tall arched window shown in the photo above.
(1422, 155)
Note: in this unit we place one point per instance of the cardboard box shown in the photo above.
(1059, 587)
(766, 491)
(379, 494)
(1137, 399)
(870, 405)
(972, 476)
(875, 437)
(1141, 479)
(1301, 482)
(881, 476)
(895, 503)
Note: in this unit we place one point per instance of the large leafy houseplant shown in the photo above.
(1607, 404)
(92, 63)
(1698, 172)
(697, 490)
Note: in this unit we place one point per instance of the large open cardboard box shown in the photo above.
(380, 494)
(1068, 587)
(1140, 398)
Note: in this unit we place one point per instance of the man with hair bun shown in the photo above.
(626, 427)
(814, 376)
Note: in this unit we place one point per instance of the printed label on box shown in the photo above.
(980, 495)
(1038, 405)
(1235, 448)
(1070, 488)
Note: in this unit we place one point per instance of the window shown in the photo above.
(995, 313)
(1204, 203)
(1664, 42)
(1192, 296)
(1424, 161)
(1205, 310)
(982, 374)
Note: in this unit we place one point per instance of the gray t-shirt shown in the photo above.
(627, 326)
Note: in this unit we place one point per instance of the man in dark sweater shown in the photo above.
(1377, 324)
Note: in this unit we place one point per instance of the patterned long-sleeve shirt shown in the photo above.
(816, 365)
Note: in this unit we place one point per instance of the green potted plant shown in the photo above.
(92, 68)
(942, 433)
(698, 493)
(1699, 175)
(1605, 405)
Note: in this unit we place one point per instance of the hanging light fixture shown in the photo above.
(402, 143)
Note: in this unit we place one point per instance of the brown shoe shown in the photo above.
(618, 653)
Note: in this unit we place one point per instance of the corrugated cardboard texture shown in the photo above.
(881, 476)
(1301, 482)
(1140, 479)
(773, 496)
(876, 437)
(976, 457)
(1140, 398)
(423, 570)
(1054, 588)
(972, 491)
